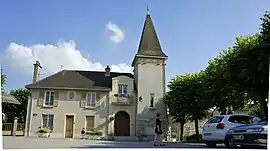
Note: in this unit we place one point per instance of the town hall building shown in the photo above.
(114, 104)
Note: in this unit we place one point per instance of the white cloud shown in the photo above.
(20, 58)
(117, 33)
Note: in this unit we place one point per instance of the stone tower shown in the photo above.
(149, 71)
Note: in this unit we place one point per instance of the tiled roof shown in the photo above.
(9, 99)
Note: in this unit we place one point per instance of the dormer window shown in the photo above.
(122, 89)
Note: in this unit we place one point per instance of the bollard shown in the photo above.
(15, 123)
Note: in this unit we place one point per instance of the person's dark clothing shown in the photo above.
(158, 126)
(83, 132)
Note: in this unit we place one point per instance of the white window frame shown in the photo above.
(87, 105)
(121, 88)
(48, 118)
(73, 97)
(45, 98)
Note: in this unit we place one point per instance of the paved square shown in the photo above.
(10, 142)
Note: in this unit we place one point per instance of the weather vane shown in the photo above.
(148, 11)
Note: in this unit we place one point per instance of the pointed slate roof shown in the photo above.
(149, 44)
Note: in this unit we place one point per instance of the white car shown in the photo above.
(215, 129)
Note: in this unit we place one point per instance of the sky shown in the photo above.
(89, 34)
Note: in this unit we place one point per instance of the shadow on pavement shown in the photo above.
(116, 144)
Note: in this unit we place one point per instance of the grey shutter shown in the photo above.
(40, 98)
(83, 100)
(56, 98)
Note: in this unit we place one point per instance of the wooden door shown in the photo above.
(122, 124)
(69, 126)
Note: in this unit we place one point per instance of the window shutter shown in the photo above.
(90, 123)
(83, 100)
(40, 98)
(55, 100)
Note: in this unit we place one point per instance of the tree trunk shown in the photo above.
(263, 108)
(181, 130)
(223, 111)
(197, 128)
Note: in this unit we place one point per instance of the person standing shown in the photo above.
(158, 132)
(83, 133)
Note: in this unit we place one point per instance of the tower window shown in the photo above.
(152, 100)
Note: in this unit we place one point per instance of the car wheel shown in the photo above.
(210, 144)
(229, 142)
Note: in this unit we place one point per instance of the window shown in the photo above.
(49, 98)
(90, 122)
(122, 89)
(152, 100)
(215, 119)
(240, 119)
(47, 120)
(71, 95)
(91, 100)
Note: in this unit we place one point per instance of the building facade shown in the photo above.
(117, 104)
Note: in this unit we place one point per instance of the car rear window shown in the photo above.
(215, 119)
(240, 119)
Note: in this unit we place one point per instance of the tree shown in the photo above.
(186, 98)
(178, 117)
(251, 60)
(3, 81)
(19, 111)
(242, 71)
(220, 87)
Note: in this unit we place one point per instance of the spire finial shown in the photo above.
(148, 11)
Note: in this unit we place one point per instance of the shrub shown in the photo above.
(43, 129)
(193, 138)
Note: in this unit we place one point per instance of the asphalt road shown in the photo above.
(10, 142)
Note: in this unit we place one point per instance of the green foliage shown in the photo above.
(43, 129)
(14, 110)
(3, 81)
(265, 27)
(235, 78)
(94, 133)
(187, 98)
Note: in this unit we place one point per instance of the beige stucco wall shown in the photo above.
(101, 113)
(130, 109)
(150, 75)
(150, 80)
(67, 107)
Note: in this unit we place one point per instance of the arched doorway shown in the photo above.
(122, 124)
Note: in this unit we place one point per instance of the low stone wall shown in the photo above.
(189, 127)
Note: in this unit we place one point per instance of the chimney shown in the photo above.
(36, 71)
(107, 71)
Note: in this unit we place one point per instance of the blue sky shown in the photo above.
(191, 32)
